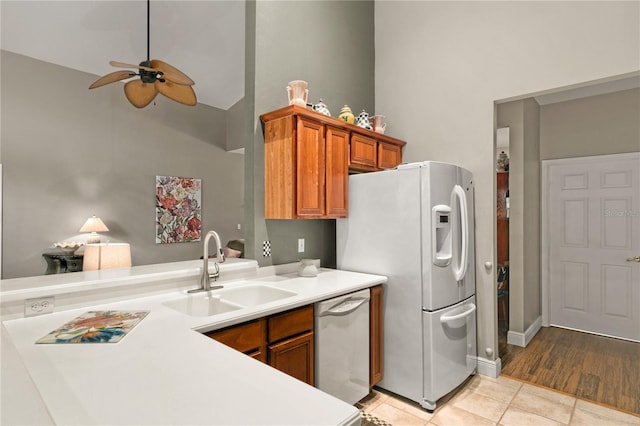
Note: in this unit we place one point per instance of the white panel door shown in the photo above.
(593, 234)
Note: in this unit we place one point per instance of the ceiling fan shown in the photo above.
(155, 77)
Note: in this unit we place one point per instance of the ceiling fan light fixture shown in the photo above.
(155, 77)
(140, 94)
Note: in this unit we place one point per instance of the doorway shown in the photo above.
(565, 124)
(502, 230)
(590, 223)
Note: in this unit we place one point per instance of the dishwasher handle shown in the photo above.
(345, 307)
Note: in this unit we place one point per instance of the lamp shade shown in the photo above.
(94, 224)
(106, 256)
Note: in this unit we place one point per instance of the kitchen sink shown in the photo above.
(202, 305)
(215, 302)
(255, 294)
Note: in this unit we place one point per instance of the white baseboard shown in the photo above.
(523, 339)
(488, 367)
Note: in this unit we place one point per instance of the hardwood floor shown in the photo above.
(591, 367)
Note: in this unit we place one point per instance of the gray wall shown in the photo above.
(329, 45)
(69, 152)
(441, 65)
(523, 119)
(235, 126)
(597, 125)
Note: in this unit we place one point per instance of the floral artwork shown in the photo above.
(178, 209)
(96, 327)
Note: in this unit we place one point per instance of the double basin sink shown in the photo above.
(219, 301)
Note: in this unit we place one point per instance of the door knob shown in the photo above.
(634, 259)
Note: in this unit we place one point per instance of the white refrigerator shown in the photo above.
(415, 225)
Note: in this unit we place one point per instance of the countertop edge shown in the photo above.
(327, 287)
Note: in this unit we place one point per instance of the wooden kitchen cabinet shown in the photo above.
(369, 154)
(289, 323)
(310, 169)
(389, 156)
(306, 170)
(308, 157)
(363, 152)
(283, 340)
(376, 335)
(294, 356)
(249, 338)
(337, 172)
(290, 336)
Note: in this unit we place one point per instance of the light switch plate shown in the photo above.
(300, 245)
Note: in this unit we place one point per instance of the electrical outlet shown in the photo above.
(300, 245)
(39, 306)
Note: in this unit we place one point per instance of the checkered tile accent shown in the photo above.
(369, 420)
(266, 248)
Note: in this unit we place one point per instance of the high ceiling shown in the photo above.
(202, 38)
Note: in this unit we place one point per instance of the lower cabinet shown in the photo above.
(284, 341)
(294, 356)
(248, 338)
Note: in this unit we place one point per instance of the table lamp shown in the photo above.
(106, 256)
(94, 225)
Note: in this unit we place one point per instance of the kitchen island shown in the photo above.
(165, 370)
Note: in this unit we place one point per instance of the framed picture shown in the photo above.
(178, 209)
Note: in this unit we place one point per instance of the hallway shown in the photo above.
(591, 367)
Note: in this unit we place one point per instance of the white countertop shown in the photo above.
(165, 371)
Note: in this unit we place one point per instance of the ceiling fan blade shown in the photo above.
(171, 73)
(112, 78)
(140, 94)
(125, 65)
(177, 92)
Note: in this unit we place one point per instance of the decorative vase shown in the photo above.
(307, 268)
(346, 115)
(321, 108)
(298, 92)
(378, 124)
(503, 162)
(363, 120)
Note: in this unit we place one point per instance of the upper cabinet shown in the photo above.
(308, 157)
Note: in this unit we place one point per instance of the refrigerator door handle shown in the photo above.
(459, 199)
(450, 318)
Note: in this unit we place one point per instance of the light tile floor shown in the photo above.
(482, 400)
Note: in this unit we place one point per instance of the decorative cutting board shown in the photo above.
(96, 327)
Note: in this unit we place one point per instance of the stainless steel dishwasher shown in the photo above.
(342, 346)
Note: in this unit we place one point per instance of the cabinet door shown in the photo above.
(389, 156)
(310, 156)
(294, 356)
(279, 169)
(376, 336)
(363, 152)
(337, 172)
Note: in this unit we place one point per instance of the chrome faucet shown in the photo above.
(205, 277)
